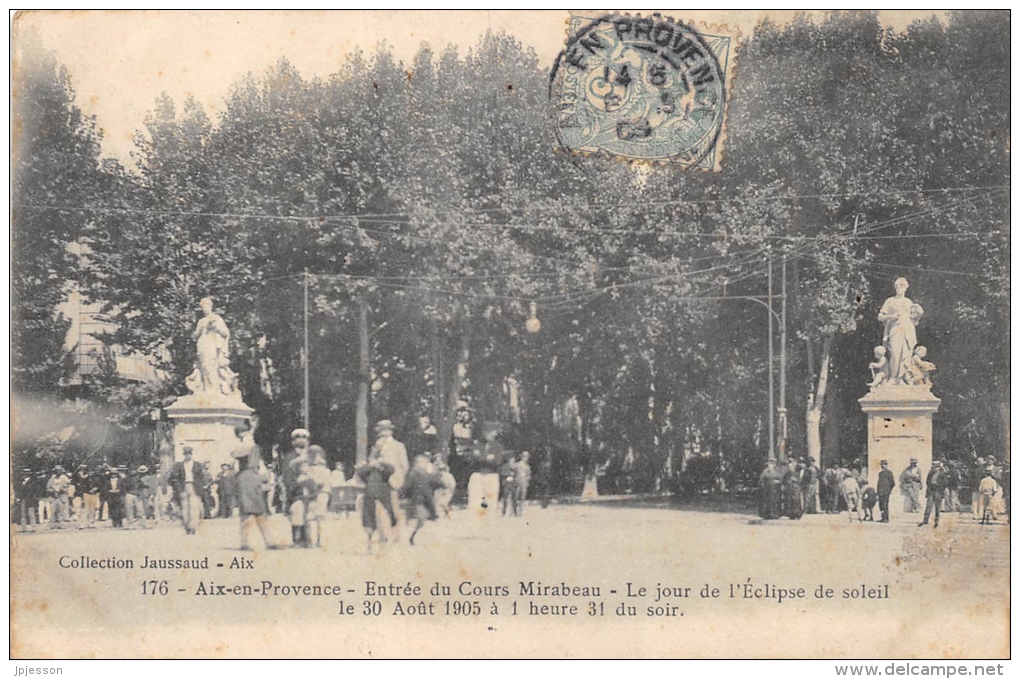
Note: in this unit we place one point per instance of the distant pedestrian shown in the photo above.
(793, 497)
(148, 490)
(27, 492)
(448, 484)
(809, 484)
(951, 501)
(910, 487)
(337, 482)
(508, 487)
(936, 483)
(188, 479)
(833, 489)
(226, 491)
(770, 504)
(394, 453)
(375, 474)
(419, 488)
(988, 492)
(523, 468)
(483, 484)
(115, 497)
(293, 491)
(88, 487)
(254, 511)
(869, 498)
(852, 496)
(886, 483)
(318, 504)
(977, 474)
(58, 488)
(134, 509)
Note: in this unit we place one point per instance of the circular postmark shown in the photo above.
(641, 88)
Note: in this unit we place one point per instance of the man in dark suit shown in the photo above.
(886, 483)
(936, 483)
(188, 478)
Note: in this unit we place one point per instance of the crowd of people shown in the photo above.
(127, 497)
(390, 490)
(799, 487)
(283, 502)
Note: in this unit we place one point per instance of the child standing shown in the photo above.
(253, 508)
(420, 487)
(375, 474)
(508, 485)
(869, 498)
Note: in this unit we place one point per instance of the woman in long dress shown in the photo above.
(900, 336)
(793, 500)
(770, 492)
(213, 351)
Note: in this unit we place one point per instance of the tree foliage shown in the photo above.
(429, 193)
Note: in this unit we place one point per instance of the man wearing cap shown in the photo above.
(936, 483)
(809, 484)
(28, 497)
(147, 491)
(483, 485)
(57, 488)
(115, 496)
(134, 508)
(394, 453)
(886, 483)
(87, 485)
(910, 487)
(976, 474)
(290, 473)
(226, 491)
(188, 478)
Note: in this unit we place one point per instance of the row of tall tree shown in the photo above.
(429, 209)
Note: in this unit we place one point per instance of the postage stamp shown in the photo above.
(642, 88)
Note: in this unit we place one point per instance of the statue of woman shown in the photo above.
(900, 317)
(212, 365)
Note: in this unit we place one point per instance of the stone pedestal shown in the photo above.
(899, 428)
(206, 423)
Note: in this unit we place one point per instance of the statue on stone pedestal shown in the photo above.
(900, 316)
(212, 374)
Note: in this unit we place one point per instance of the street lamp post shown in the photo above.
(772, 405)
(781, 319)
(782, 370)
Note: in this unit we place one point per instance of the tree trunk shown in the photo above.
(361, 415)
(833, 423)
(591, 484)
(815, 403)
(437, 374)
(444, 429)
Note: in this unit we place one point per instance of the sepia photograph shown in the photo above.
(511, 334)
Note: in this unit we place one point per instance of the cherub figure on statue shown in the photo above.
(878, 367)
(919, 370)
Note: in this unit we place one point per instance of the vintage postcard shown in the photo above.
(505, 334)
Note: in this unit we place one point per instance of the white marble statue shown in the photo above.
(877, 367)
(212, 374)
(919, 371)
(900, 316)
